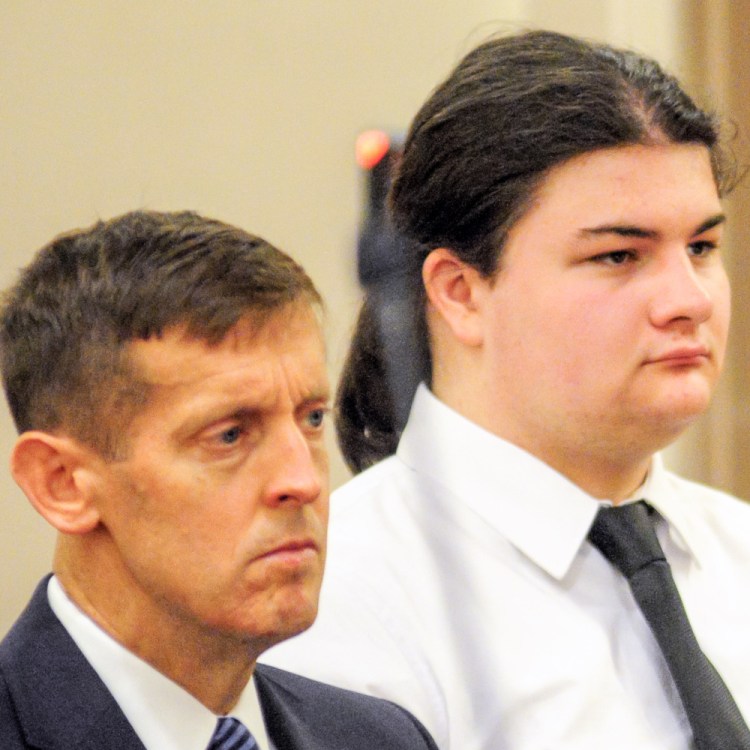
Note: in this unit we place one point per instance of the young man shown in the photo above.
(563, 203)
(166, 373)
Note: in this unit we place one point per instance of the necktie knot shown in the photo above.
(231, 734)
(625, 535)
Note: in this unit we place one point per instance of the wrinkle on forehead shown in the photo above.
(170, 358)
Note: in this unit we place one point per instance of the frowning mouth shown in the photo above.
(292, 551)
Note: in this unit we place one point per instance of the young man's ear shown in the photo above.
(454, 290)
(54, 474)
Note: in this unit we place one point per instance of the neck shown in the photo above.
(604, 479)
(214, 668)
(605, 469)
(604, 472)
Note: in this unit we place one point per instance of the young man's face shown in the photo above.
(605, 328)
(215, 521)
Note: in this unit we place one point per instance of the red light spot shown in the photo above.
(371, 147)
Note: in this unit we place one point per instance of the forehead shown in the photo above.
(289, 337)
(661, 185)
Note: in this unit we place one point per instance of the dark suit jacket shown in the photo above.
(52, 699)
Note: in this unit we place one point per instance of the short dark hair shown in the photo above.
(65, 324)
(473, 159)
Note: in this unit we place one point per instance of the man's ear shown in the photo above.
(54, 473)
(454, 289)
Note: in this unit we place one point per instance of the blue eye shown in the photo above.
(315, 417)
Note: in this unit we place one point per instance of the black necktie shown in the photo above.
(625, 535)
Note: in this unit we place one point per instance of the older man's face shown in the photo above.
(216, 518)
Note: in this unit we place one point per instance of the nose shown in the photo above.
(681, 295)
(297, 467)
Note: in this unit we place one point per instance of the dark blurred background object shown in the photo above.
(381, 258)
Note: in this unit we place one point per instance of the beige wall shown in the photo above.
(243, 110)
(716, 449)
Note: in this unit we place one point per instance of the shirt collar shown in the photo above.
(538, 510)
(162, 714)
(683, 528)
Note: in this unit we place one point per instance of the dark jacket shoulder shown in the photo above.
(334, 718)
(50, 696)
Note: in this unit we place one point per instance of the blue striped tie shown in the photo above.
(231, 734)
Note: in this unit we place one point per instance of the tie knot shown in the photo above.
(231, 734)
(625, 535)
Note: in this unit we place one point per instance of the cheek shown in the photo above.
(173, 510)
(586, 332)
(593, 347)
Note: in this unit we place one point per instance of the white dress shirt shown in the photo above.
(162, 714)
(460, 584)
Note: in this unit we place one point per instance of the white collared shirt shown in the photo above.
(460, 584)
(162, 713)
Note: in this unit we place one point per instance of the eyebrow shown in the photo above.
(320, 396)
(626, 230)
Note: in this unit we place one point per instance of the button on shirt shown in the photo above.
(460, 584)
(162, 714)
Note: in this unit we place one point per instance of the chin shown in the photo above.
(283, 629)
(668, 424)
(690, 406)
(292, 613)
(300, 614)
(682, 404)
(270, 616)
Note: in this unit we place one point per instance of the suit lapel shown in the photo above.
(284, 713)
(60, 700)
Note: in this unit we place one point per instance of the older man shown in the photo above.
(166, 374)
